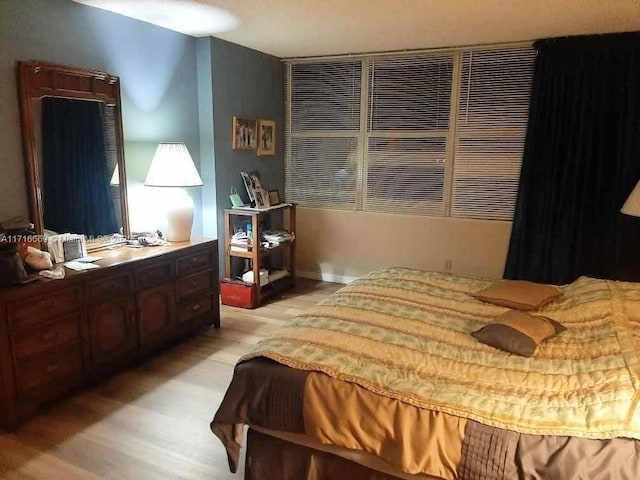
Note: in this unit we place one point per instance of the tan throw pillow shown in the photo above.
(518, 294)
(518, 332)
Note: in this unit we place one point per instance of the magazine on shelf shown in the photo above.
(263, 209)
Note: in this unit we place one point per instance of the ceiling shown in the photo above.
(293, 28)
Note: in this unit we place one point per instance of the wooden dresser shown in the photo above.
(57, 335)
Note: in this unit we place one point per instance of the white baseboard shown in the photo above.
(326, 277)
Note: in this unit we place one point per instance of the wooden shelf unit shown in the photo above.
(255, 255)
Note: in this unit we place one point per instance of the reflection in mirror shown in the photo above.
(78, 161)
(74, 155)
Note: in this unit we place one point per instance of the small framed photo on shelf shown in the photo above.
(262, 198)
(274, 198)
(245, 136)
(266, 137)
(257, 193)
(248, 185)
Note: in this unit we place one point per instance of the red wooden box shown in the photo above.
(236, 293)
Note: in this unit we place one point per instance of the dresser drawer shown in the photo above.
(194, 308)
(35, 310)
(114, 286)
(195, 285)
(46, 337)
(154, 275)
(196, 262)
(56, 365)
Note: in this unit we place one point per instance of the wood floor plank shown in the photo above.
(151, 422)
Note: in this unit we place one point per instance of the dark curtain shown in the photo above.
(76, 175)
(581, 161)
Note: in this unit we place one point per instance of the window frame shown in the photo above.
(365, 134)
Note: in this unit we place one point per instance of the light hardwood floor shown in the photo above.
(151, 421)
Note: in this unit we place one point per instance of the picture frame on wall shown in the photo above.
(266, 137)
(244, 133)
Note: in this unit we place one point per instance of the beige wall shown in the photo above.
(341, 245)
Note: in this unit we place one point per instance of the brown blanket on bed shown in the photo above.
(269, 395)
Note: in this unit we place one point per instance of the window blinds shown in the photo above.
(411, 93)
(436, 133)
(409, 105)
(322, 166)
(495, 87)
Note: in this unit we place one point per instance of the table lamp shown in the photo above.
(172, 166)
(632, 205)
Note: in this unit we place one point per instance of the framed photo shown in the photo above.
(257, 193)
(266, 137)
(244, 136)
(247, 185)
(262, 198)
(274, 197)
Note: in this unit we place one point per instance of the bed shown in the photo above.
(383, 380)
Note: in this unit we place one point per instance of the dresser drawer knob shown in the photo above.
(108, 285)
(46, 303)
(196, 307)
(53, 367)
(49, 336)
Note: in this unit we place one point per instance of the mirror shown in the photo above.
(72, 134)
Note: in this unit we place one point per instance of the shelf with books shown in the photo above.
(240, 245)
(248, 253)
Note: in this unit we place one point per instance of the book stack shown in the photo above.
(276, 237)
(240, 242)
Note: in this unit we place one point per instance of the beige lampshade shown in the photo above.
(632, 205)
(172, 166)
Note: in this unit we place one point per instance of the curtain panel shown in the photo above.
(581, 161)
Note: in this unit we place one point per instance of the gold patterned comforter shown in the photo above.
(405, 334)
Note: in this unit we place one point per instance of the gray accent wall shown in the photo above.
(208, 170)
(157, 70)
(245, 83)
(174, 88)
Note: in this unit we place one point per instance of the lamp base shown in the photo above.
(180, 222)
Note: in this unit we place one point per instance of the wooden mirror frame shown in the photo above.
(37, 80)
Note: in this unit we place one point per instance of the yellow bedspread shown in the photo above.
(405, 334)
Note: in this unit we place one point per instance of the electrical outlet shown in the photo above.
(447, 265)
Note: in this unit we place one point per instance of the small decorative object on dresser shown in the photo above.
(266, 137)
(244, 135)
